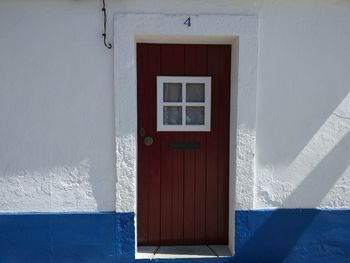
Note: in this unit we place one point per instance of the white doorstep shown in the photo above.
(212, 251)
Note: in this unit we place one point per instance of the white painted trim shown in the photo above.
(238, 31)
(206, 104)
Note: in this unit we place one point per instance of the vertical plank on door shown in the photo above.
(223, 146)
(166, 194)
(212, 148)
(172, 64)
(189, 159)
(142, 191)
(177, 170)
(149, 169)
(154, 150)
(189, 191)
(200, 191)
(194, 206)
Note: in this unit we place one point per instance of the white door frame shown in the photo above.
(238, 31)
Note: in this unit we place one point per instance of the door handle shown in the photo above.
(147, 140)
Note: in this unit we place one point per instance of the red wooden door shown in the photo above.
(183, 193)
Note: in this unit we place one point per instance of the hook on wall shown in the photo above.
(107, 45)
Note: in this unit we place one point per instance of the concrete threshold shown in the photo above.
(172, 252)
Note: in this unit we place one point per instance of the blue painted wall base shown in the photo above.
(283, 235)
(293, 235)
(95, 237)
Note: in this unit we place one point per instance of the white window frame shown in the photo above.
(206, 104)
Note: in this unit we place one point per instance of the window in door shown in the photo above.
(183, 103)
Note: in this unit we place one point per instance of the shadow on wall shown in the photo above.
(291, 120)
(331, 167)
(302, 77)
(300, 235)
(293, 235)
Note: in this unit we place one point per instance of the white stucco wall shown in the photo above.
(57, 138)
(303, 143)
(56, 108)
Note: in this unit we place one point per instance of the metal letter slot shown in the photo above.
(184, 145)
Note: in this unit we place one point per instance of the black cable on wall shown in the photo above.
(107, 45)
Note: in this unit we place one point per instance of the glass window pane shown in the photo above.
(172, 92)
(194, 115)
(195, 92)
(172, 115)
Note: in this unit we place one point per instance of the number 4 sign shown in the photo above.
(188, 22)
